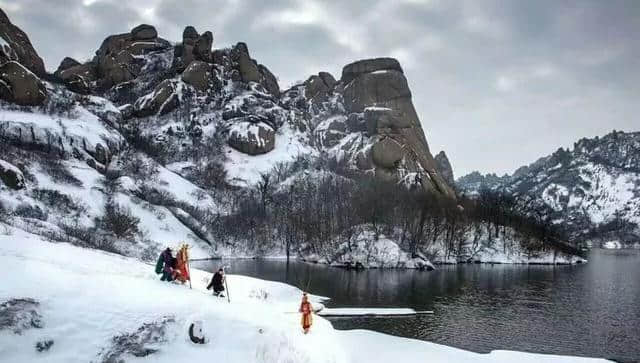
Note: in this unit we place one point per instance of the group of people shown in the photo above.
(176, 268)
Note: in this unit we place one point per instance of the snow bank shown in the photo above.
(370, 312)
(90, 301)
(612, 245)
(368, 252)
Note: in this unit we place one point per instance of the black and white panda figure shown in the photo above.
(196, 333)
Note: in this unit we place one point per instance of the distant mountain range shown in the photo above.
(591, 191)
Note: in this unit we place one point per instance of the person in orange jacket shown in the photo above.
(307, 313)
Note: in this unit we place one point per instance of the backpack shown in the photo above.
(160, 264)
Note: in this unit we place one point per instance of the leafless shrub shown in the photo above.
(119, 221)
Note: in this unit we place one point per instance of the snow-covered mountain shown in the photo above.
(153, 142)
(592, 190)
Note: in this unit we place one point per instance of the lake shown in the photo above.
(584, 310)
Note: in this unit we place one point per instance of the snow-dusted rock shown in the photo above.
(15, 45)
(252, 139)
(11, 176)
(198, 74)
(144, 32)
(21, 86)
(248, 69)
(163, 99)
(386, 153)
(202, 47)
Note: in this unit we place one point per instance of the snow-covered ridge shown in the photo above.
(133, 312)
(592, 191)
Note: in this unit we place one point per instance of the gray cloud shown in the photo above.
(497, 84)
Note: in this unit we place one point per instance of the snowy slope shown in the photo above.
(132, 312)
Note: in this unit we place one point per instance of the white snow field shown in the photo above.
(88, 297)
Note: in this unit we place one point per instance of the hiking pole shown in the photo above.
(189, 272)
(226, 286)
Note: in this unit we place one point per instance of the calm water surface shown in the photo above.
(585, 310)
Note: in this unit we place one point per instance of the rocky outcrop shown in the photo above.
(379, 89)
(246, 66)
(269, 81)
(11, 176)
(183, 53)
(16, 46)
(318, 87)
(444, 168)
(116, 61)
(78, 77)
(21, 86)
(67, 63)
(250, 71)
(252, 138)
(194, 46)
(202, 47)
(361, 67)
(387, 153)
(198, 74)
(144, 32)
(331, 131)
(163, 99)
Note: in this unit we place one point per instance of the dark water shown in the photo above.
(585, 310)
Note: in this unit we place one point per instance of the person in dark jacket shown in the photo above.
(167, 270)
(217, 282)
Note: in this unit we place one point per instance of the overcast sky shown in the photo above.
(497, 84)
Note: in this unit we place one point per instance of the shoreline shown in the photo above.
(260, 323)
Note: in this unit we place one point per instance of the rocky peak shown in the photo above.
(16, 46)
(355, 69)
(378, 88)
(20, 66)
(318, 87)
(444, 168)
(117, 60)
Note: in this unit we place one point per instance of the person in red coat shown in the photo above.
(307, 313)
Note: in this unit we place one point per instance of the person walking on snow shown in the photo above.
(307, 313)
(217, 282)
(167, 261)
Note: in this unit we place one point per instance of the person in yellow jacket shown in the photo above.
(307, 313)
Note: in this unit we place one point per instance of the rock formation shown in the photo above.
(20, 86)
(378, 88)
(252, 139)
(15, 46)
(444, 168)
(11, 176)
(365, 120)
(115, 62)
(163, 99)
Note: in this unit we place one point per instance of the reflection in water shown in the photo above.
(588, 310)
